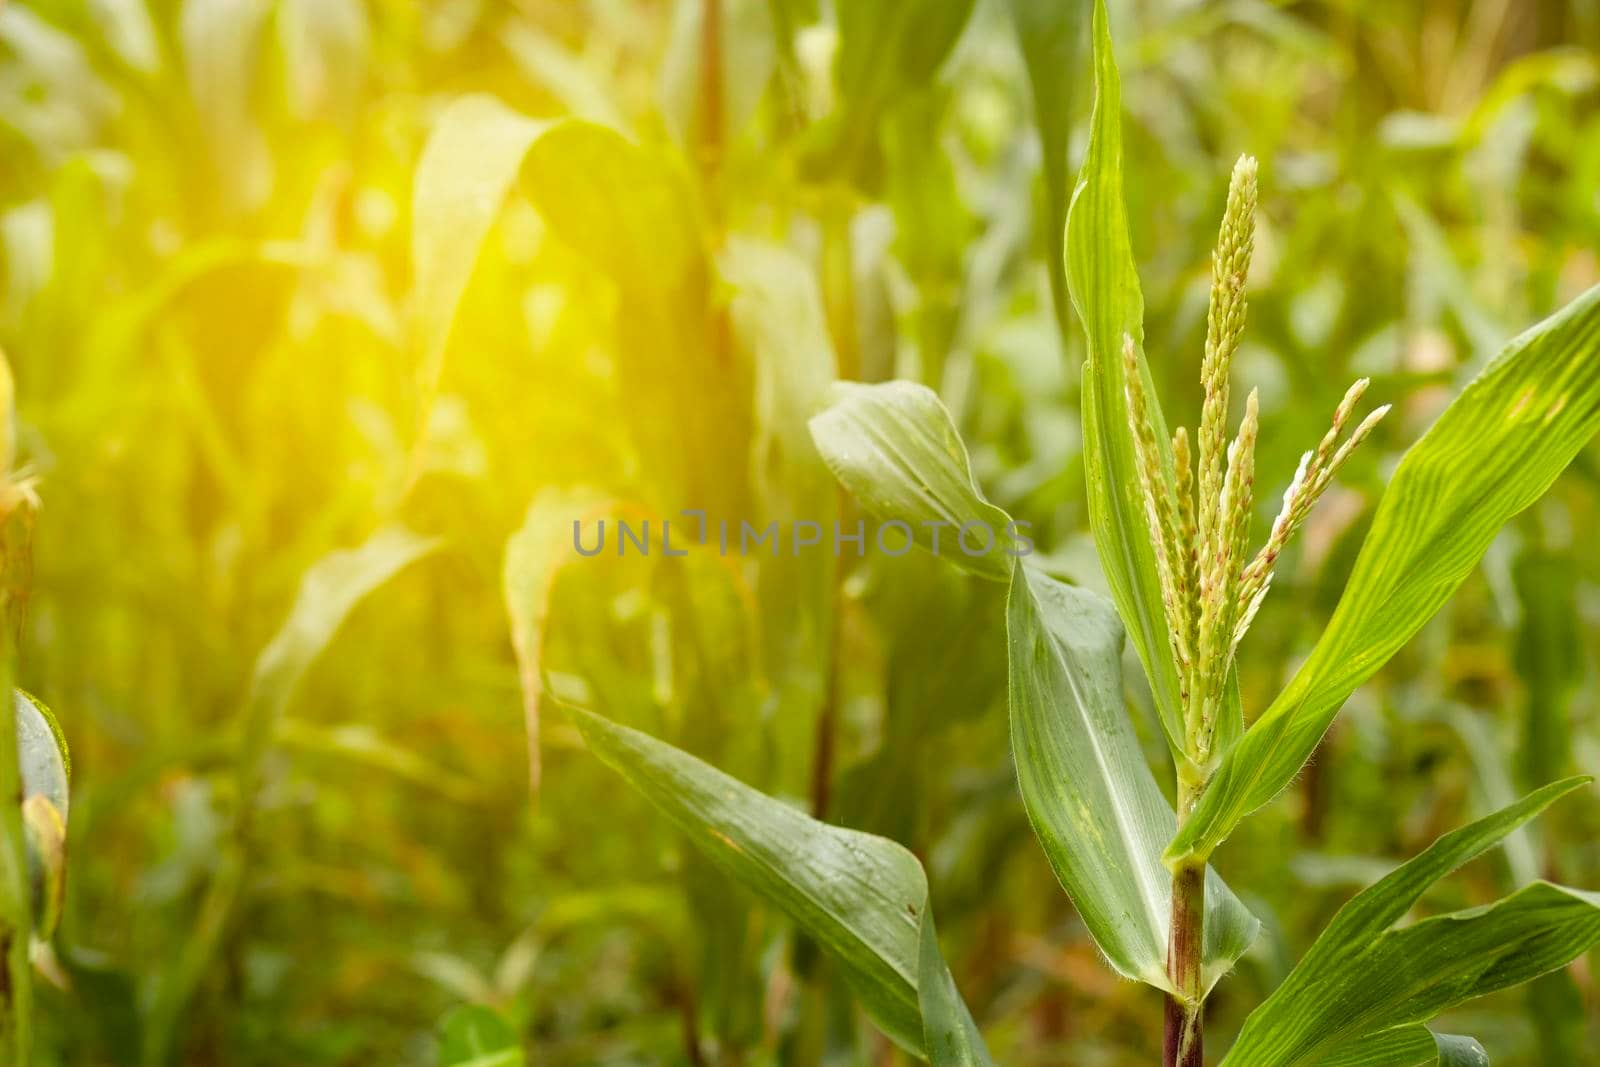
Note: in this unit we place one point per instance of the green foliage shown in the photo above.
(1082, 775)
(1494, 451)
(283, 277)
(864, 898)
(470, 162)
(1361, 978)
(1410, 1046)
(894, 447)
(1092, 800)
(1105, 292)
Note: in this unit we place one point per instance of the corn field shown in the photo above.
(799, 533)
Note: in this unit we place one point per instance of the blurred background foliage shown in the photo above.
(227, 368)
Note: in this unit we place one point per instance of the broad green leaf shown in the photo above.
(1494, 451)
(631, 211)
(1048, 32)
(895, 448)
(471, 160)
(1409, 1046)
(1090, 795)
(628, 209)
(534, 556)
(1361, 978)
(1105, 292)
(863, 898)
(475, 1036)
(951, 1037)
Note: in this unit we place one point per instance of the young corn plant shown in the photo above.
(1171, 522)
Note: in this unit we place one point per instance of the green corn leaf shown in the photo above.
(895, 447)
(863, 898)
(626, 209)
(1048, 33)
(475, 1036)
(887, 49)
(1409, 1046)
(1091, 797)
(535, 554)
(1494, 451)
(469, 164)
(1105, 293)
(1361, 978)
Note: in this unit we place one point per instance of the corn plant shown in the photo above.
(1171, 523)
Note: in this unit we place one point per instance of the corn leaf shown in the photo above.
(471, 160)
(887, 50)
(1494, 451)
(863, 898)
(1105, 293)
(894, 446)
(1410, 1046)
(887, 47)
(534, 556)
(1048, 33)
(1361, 978)
(1090, 795)
(624, 208)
